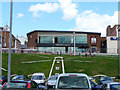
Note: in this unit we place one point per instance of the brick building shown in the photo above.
(112, 38)
(51, 41)
(4, 34)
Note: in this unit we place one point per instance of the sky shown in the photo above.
(62, 15)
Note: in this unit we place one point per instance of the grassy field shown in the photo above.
(107, 65)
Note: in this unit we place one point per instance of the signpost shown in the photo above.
(57, 68)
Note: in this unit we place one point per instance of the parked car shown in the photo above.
(21, 84)
(93, 79)
(20, 77)
(104, 80)
(95, 86)
(0, 86)
(43, 87)
(72, 81)
(3, 79)
(97, 78)
(52, 81)
(111, 86)
(117, 79)
(39, 78)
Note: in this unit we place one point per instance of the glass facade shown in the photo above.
(64, 39)
(46, 39)
(45, 49)
(81, 38)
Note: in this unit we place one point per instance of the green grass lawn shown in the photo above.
(107, 65)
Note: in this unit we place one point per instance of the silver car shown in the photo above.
(52, 81)
(111, 86)
(71, 81)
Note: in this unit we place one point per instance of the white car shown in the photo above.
(111, 86)
(39, 78)
(73, 81)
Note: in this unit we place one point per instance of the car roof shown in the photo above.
(100, 75)
(53, 76)
(21, 81)
(38, 74)
(114, 83)
(78, 74)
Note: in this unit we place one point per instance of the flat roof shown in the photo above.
(63, 31)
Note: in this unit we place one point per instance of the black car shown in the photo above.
(3, 79)
(23, 84)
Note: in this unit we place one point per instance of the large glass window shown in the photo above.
(81, 39)
(64, 39)
(46, 39)
(45, 49)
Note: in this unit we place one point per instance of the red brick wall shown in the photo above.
(31, 39)
(98, 39)
(6, 39)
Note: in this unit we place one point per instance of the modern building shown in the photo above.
(112, 39)
(4, 35)
(51, 41)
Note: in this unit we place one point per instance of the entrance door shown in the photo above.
(66, 49)
(56, 40)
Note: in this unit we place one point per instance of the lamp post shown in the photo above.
(10, 34)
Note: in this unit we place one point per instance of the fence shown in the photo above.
(101, 51)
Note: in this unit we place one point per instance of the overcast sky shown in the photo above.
(63, 15)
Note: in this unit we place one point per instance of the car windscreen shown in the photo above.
(106, 79)
(37, 77)
(115, 86)
(17, 85)
(73, 82)
(53, 78)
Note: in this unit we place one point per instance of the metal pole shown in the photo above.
(10, 34)
(119, 47)
(1, 52)
(119, 34)
(74, 43)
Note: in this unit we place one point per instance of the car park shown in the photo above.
(39, 78)
(72, 81)
(3, 79)
(20, 77)
(52, 81)
(111, 86)
(21, 84)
